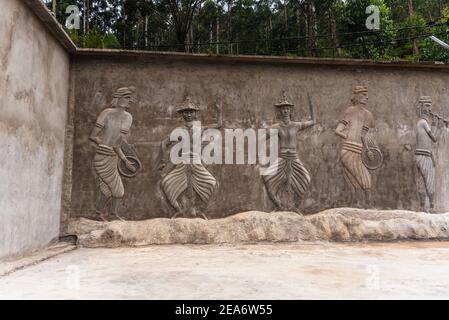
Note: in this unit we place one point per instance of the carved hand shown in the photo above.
(130, 166)
(162, 166)
(96, 140)
(341, 134)
(217, 105)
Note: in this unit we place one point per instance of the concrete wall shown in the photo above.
(249, 90)
(34, 83)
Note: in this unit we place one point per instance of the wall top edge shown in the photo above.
(117, 53)
(56, 30)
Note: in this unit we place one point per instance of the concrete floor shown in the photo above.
(409, 270)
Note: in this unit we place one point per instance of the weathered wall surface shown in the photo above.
(248, 91)
(34, 77)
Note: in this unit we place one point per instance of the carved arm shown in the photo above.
(94, 135)
(340, 131)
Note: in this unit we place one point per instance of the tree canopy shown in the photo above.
(321, 28)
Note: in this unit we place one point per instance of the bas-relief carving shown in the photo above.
(113, 155)
(424, 158)
(288, 180)
(359, 152)
(188, 186)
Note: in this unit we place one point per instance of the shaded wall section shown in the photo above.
(34, 82)
(249, 91)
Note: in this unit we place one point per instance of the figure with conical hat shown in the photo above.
(188, 185)
(424, 159)
(287, 180)
(353, 129)
(110, 134)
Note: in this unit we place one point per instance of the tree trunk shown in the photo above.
(211, 36)
(228, 31)
(218, 36)
(146, 32)
(285, 14)
(333, 25)
(411, 13)
(311, 28)
(87, 15)
(298, 20)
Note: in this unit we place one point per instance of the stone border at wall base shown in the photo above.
(9, 266)
(342, 225)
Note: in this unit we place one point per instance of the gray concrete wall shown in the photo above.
(249, 91)
(34, 83)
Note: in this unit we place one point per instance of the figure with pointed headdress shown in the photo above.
(288, 180)
(189, 182)
(358, 147)
(425, 163)
(110, 134)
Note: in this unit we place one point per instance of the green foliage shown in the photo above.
(94, 39)
(377, 44)
(430, 50)
(266, 27)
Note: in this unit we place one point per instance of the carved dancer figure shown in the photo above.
(186, 182)
(288, 178)
(109, 134)
(357, 145)
(424, 159)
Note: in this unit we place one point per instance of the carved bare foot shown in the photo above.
(203, 216)
(118, 217)
(175, 215)
(278, 206)
(100, 216)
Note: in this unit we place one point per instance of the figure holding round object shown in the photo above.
(359, 154)
(110, 135)
(132, 169)
(372, 158)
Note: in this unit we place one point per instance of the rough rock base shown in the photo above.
(343, 224)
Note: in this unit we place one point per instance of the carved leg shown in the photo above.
(277, 203)
(299, 213)
(431, 200)
(203, 216)
(367, 198)
(115, 208)
(102, 202)
(352, 197)
(422, 199)
(175, 215)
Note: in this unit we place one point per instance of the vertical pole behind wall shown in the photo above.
(53, 4)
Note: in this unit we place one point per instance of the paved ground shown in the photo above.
(276, 271)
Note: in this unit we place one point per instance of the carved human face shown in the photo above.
(285, 112)
(124, 102)
(189, 115)
(426, 108)
(362, 98)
